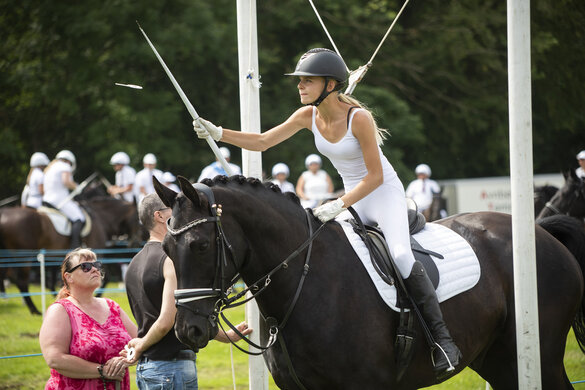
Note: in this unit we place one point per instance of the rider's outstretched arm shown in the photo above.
(253, 141)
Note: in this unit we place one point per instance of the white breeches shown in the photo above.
(386, 205)
(72, 210)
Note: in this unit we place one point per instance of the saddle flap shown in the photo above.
(62, 224)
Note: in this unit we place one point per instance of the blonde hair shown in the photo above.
(79, 253)
(381, 134)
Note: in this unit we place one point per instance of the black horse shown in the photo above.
(542, 194)
(340, 334)
(569, 200)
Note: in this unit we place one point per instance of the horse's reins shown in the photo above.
(183, 296)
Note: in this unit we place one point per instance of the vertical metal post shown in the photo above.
(521, 172)
(41, 260)
(249, 77)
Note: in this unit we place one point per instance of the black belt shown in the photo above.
(184, 354)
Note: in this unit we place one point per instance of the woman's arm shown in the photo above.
(54, 339)
(300, 119)
(363, 129)
(300, 187)
(68, 180)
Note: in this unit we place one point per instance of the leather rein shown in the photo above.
(184, 296)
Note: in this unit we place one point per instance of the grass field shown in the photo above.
(19, 336)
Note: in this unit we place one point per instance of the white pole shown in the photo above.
(249, 77)
(520, 114)
(41, 259)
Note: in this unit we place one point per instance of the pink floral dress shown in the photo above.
(93, 342)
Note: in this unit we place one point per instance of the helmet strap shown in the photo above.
(323, 95)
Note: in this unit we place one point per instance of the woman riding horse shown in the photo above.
(351, 139)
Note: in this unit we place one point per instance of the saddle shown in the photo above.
(61, 223)
(388, 271)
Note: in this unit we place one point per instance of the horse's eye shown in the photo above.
(199, 245)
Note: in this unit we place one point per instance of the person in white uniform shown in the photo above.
(32, 194)
(423, 188)
(58, 181)
(124, 179)
(215, 168)
(314, 185)
(280, 173)
(348, 135)
(581, 170)
(143, 181)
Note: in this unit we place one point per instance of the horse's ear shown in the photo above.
(164, 193)
(189, 191)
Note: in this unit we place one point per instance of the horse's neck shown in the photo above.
(111, 213)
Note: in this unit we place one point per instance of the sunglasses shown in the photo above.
(87, 266)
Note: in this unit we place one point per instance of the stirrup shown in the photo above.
(450, 368)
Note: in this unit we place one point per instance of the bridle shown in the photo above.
(224, 301)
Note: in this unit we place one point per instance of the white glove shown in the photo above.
(205, 128)
(329, 210)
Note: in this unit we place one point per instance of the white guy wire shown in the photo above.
(327, 32)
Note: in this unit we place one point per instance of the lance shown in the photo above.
(188, 105)
(77, 189)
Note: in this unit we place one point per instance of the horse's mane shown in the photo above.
(253, 183)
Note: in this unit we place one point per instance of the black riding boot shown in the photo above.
(76, 227)
(422, 291)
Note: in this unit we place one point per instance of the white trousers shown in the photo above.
(386, 205)
(72, 210)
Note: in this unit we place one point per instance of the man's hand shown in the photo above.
(205, 128)
(329, 210)
(225, 337)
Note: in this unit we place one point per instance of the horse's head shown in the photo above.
(203, 260)
(569, 200)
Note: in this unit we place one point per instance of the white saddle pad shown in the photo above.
(62, 224)
(459, 270)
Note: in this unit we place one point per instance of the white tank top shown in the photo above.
(346, 155)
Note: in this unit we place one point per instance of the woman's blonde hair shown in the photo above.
(381, 134)
(79, 253)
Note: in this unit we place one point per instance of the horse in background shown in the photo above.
(543, 194)
(568, 200)
(437, 209)
(26, 228)
(339, 333)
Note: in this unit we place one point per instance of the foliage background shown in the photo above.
(439, 83)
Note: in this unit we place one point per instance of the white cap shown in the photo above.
(312, 159)
(423, 169)
(581, 155)
(39, 159)
(225, 152)
(120, 158)
(280, 168)
(149, 158)
(168, 177)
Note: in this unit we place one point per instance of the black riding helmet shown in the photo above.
(324, 63)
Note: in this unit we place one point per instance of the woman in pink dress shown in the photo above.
(82, 335)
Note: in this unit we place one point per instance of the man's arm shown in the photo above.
(165, 320)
